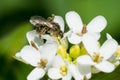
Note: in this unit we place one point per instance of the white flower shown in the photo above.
(59, 69)
(77, 29)
(99, 56)
(115, 58)
(40, 59)
(39, 56)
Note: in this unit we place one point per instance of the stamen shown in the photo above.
(33, 45)
(84, 29)
(63, 70)
(97, 57)
(85, 78)
(42, 63)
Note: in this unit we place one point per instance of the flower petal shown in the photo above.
(105, 66)
(60, 21)
(74, 21)
(108, 36)
(108, 48)
(68, 76)
(36, 74)
(48, 52)
(58, 61)
(85, 60)
(74, 39)
(90, 44)
(75, 72)
(33, 36)
(49, 39)
(54, 73)
(95, 35)
(18, 54)
(97, 24)
(85, 70)
(94, 70)
(30, 55)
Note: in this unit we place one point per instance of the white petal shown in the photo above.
(74, 39)
(54, 73)
(18, 55)
(97, 24)
(30, 55)
(48, 52)
(94, 35)
(75, 72)
(68, 76)
(105, 66)
(108, 36)
(36, 74)
(108, 48)
(33, 36)
(85, 60)
(85, 70)
(58, 61)
(49, 39)
(74, 21)
(94, 70)
(90, 44)
(60, 21)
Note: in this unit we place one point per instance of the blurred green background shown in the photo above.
(14, 23)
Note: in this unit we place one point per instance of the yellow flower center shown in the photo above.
(74, 52)
(42, 63)
(63, 70)
(97, 57)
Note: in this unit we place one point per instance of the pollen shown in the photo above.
(42, 63)
(63, 70)
(97, 57)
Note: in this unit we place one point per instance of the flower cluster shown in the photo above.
(77, 55)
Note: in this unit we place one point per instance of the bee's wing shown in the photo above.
(38, 18)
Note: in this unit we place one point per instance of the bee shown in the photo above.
(46, 26)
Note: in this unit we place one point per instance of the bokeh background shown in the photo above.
(14, 23)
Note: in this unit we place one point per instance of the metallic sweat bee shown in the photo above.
(46, 26)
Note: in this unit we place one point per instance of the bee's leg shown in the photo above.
(50, 31)
(43, 30)
(50, 19)
(53, 16)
